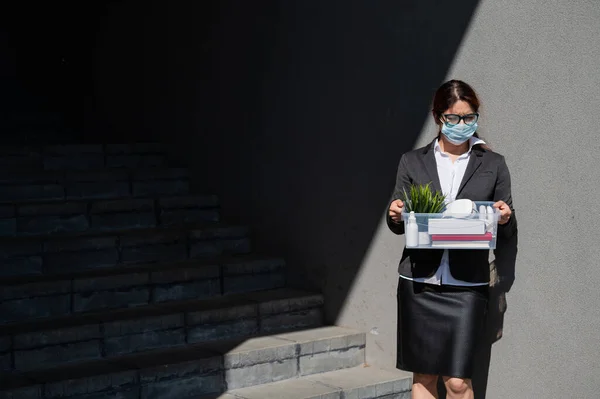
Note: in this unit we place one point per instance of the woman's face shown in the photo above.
(458, 108)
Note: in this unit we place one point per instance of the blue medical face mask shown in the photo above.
(458, 134)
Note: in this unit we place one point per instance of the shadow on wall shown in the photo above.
(347, 90)
(308, 157)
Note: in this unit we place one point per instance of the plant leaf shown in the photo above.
(422, 199)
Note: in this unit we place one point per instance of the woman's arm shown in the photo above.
(402, 182)
(502, 192)
(507, 240)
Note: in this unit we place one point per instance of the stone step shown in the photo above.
(354, 383)
(208, 368)
(83, 156)
(17, 186)
(109, 334)
(29, 297)
(75, 252)
(105, 215)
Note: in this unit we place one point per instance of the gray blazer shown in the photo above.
(486, 179)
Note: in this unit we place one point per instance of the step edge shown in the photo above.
(403, 378)
(154, 310)
(200, 352)
(92, 201)
(123, 269)
(185, 227)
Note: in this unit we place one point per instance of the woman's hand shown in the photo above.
(395, 211)
(505, 212)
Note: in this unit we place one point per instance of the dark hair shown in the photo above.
(451, 92)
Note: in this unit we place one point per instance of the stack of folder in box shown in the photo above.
(459, 233)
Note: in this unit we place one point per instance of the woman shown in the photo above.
(443, 294)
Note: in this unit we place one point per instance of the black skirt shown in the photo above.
(440, 327)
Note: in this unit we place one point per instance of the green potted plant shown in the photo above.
(422, 199)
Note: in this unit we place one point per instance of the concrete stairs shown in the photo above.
(117, 282)
(352, 383)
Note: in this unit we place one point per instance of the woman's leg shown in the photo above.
(458, 388)
(424, 386)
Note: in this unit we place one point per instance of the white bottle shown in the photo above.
(490, 212)
(482, 212)
(491, 218)
(412, 231)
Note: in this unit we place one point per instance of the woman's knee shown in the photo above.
(427, 380)
(457, 385)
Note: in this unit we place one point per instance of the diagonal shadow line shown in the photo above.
(346, 88)
(336, 281)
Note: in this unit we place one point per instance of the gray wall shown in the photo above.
(536, 66)
(296, 114)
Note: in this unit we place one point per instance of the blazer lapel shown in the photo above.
(472, 166)
(431, 167)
